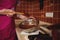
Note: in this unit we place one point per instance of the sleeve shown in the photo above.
(7, 4)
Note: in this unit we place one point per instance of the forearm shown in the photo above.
(7, 12)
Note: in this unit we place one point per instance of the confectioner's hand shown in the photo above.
(23, 17)
(7, 12)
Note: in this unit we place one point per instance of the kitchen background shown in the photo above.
(47, 10)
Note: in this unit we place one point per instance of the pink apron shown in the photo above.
(7, 28)
(7, 4)
(7, 25)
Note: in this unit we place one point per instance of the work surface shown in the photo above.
(24, 36)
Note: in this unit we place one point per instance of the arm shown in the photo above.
(7, 12)
(6, 5)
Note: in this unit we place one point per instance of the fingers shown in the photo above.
(23, 17)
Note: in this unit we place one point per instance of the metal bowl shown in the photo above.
(29, 23)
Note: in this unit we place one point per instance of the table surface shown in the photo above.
(24, 36)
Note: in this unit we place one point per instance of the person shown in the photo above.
(7, 25)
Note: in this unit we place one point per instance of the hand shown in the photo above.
(22, 17)
(7, 12)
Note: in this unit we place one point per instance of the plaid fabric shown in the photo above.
(56, 35)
